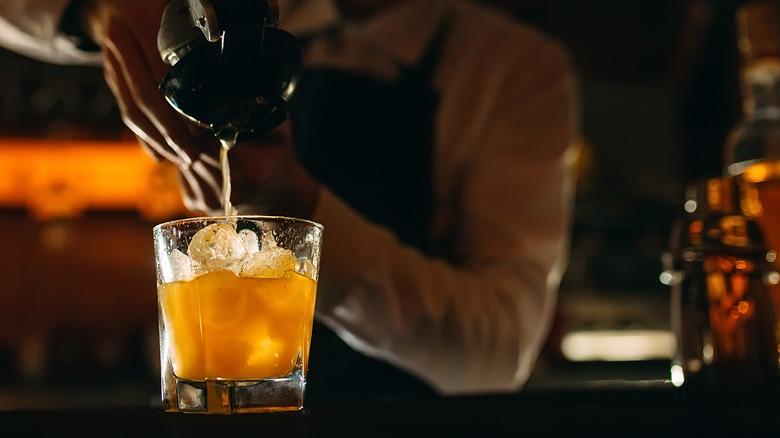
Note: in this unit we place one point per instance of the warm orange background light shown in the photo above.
(63, 179)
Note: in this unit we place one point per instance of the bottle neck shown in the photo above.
(761, 89)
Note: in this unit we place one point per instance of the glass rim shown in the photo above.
(251, 217)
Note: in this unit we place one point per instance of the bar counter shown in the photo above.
(630, 409)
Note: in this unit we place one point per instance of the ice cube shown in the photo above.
(250, 240)
(176, 266)
(217, 247)
(269, 241)
(306, 267)
(268, 263)
(181, 266)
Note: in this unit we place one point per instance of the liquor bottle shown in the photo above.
(720, 273)
(752, 150)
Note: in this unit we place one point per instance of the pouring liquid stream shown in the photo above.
(227, 140)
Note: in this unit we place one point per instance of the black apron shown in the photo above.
(371, 144)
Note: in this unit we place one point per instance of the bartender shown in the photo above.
(433, 139)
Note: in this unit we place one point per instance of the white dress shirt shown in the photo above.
(503, 182)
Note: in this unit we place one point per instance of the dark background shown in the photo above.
(659, 93)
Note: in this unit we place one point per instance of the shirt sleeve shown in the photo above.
(474, 320)
(32, 28)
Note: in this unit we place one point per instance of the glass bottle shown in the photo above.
(752, 150)
(721, 308)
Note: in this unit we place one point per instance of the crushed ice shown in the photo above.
(219, 247)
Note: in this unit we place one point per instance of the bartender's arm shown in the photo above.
(475, 318)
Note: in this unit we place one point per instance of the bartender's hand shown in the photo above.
(267, 179)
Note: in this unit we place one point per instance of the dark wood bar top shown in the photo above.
(636, 409)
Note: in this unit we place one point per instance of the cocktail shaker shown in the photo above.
(232, 70)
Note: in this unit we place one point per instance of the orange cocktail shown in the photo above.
(222, 326)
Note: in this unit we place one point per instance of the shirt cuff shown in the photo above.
(71, 26)
(34, 29)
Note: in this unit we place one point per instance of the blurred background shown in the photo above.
(78, 199)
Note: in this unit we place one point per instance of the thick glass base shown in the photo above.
(234, 396)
